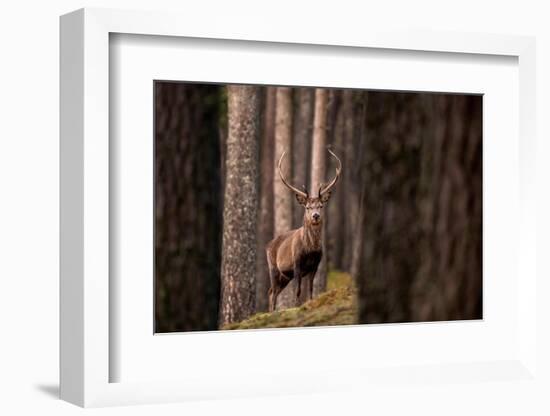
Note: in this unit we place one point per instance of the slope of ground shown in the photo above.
(337, 306)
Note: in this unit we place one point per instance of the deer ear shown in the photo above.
(326, 196)
(302, 200)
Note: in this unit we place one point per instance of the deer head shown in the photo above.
(313, 204)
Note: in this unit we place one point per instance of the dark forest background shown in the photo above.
(404, 222)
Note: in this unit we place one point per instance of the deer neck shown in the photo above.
(312, 236)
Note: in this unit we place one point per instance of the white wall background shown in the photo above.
(29, 102)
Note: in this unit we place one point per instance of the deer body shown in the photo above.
(296, 254)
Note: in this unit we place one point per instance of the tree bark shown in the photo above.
(303, 126)
(240, 205)
(318, 159)
(389, 258)
(421, 216)
(352, 106)
(265, 218)
(188, 216)
(448, 284)
(359, 193)
(335, 211)
(284, 199)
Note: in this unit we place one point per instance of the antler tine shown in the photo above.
(292, 188)
(338, 172)
(320, 189)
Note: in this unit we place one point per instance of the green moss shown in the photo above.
(337, 306)
(337, 279)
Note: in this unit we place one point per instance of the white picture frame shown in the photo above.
(85, 162)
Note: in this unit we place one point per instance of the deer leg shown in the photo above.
(282, 282)
(274, 290)
(307, 286)
(311, 280)
(298, 277)
(273, 294)
(270, 298)
(277, 291)
(273, 299)
(299, 289)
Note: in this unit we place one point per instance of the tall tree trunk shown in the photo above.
(448, 283)
(265, 217)
(422, 169)
(359, 193)
(335, 211)
(389, 258)
(188, 216)
(349, 188)
(318, 158)
(240, 205)
(303, 126)
(284, 199)
(222, 132)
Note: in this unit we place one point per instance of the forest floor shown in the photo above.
(337, 306)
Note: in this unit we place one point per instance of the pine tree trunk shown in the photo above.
(284, 199)
(318, 158)
(350, 186)
(421, 209)
(448, 284)
(240, 205)
(389, 259)
(188, 216)
(265, 218)
(303, 126)
(357, 235)
(335, 211)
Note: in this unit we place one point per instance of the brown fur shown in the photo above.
(296, 254)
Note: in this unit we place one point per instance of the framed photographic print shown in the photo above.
(261, 214)
(334, 252)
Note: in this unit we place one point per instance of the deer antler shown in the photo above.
(292, 188)
(332, 182)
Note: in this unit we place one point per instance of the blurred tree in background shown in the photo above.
(421, 219)
(447, 284)
(265, 212)
(318, 172)
(283, 200)
(188, 210)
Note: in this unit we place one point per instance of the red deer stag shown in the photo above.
(297, 253)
